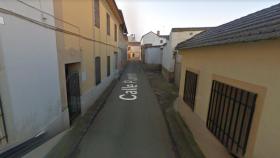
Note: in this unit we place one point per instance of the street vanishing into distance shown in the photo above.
(129, 128)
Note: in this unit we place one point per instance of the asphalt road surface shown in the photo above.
(131, 124)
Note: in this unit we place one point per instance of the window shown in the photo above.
(128, 48)
(116, 60)
(96, 13)
(108, 24)
(230, 116)
(161, 41)
(108, 66)
(97, 70)
(190, 88)
(3, 132)
(116, 32)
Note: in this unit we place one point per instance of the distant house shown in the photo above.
(153, 39)
(151, 47)
(171, 61)
(134, 51)
(229, 89)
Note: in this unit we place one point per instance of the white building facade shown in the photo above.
(29, 78)
(152, 47)
(153, 39)
(171, 60)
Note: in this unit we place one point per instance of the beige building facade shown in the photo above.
(134, 51)
(93, 43)
(229, 88)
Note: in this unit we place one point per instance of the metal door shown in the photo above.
(73, 95)
(3, 132)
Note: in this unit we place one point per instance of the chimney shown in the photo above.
(158, 32)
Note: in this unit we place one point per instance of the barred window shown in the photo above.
(97, 70)
(108, 24)
(116, 60)
(190, 88)
(108, 65)
(97, 13)
(230, 116)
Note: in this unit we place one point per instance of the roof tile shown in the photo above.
(262, 25)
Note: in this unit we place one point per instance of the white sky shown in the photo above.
(142, 16)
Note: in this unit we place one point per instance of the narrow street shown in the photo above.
(139, 79)
(124, 128)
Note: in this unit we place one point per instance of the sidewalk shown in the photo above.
(65, 143)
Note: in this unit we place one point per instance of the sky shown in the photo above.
(142, 16)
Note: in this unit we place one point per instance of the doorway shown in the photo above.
(3, 131)
(73, 90)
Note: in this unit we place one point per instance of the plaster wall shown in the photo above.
(251, 66)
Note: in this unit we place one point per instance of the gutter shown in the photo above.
(23, 148)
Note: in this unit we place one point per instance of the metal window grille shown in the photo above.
(3, 132)
(97, 70)
(108, 66)
(116, 60)
(230, 116)
(73, 95)
(190, 88)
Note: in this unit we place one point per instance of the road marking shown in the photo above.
(130, 89)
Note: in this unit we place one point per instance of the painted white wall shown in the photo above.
(29, 81)
(19, 8)
(168, 60)
(153, 55)
(152, 38)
